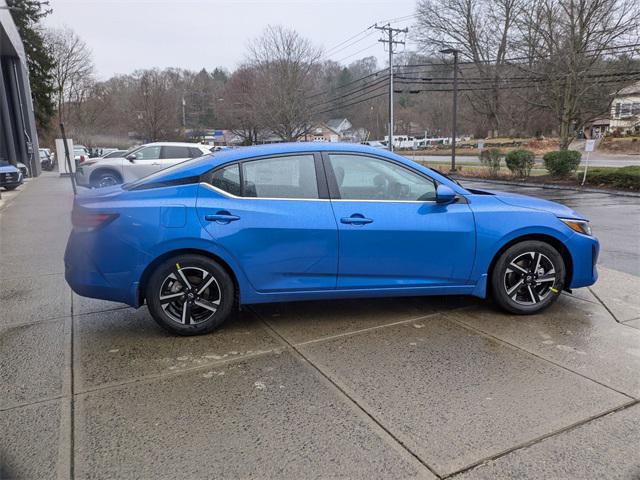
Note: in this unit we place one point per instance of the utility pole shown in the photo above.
(391, 32)
(454, 126)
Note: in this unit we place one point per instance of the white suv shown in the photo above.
(136, 163)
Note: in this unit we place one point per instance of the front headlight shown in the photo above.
(580, 226)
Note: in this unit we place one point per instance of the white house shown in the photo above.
(625, 110)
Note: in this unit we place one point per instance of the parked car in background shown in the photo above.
(10, 176)
(47, 161)
(311, 221)
(26, 173)
(136, 163)
(80, 154)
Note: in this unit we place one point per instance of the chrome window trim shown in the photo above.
(230, 195)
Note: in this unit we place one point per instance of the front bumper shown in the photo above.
(584, 252)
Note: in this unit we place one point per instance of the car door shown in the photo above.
(146, 162)
(392, 233)
(274, 217)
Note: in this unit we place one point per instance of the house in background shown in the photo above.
(336, 130)
(625, 110)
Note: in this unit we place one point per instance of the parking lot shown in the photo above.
(385, 388)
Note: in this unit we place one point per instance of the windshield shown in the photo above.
(4, 163)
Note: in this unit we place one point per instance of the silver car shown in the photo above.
(136, 163)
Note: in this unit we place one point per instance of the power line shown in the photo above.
(383, 83)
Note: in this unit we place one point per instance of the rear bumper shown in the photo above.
(584, 254)
(86, 280)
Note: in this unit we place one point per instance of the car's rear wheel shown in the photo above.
(190, 295)
(105, 178)
(528, 277)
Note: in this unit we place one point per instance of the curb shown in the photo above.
(620, 193)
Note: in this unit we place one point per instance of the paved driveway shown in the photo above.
(387, 388)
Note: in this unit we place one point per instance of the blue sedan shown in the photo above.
(300, 221)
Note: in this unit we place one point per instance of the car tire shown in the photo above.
(105, 178)
(190, 295)
(528, 277)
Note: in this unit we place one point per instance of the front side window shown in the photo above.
(369, 178)
(227, 179)
(195, 152)
(292, 176)
(148, 153)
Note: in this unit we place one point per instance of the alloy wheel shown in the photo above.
(107, 181)
(530, 278)
(190, 295)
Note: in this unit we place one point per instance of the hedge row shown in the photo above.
(625, 177)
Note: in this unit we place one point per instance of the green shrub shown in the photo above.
(520, 162)
(625, 177)
(490, 158)
(562, 163)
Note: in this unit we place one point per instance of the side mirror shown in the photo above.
(445, 194)
(131, 157)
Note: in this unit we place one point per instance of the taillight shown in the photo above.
(87, 221)
(83, 158)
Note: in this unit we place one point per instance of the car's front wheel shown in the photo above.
(528, 277)
(190, 294)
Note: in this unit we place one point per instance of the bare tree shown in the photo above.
(480, 30)
(73, 72)
(238, 105)
(153, 106)
(572, 51)
(283, 62)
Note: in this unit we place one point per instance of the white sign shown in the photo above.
(480, 144)
(589, 145)
(62, 159)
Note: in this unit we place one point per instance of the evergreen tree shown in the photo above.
(27, 15)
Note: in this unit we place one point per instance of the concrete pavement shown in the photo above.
(384, 388)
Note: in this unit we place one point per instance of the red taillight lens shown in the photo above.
(85, 220)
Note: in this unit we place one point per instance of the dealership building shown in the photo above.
(18, 137)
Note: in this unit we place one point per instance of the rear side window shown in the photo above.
(175, 152)
(195, 152)
(227, 179)
(292, 176)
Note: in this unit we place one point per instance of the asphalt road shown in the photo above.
(615, 220)
(597, 160)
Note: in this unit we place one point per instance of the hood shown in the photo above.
(534, 203)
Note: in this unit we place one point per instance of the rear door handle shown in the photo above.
(356, 219)
(221, 217)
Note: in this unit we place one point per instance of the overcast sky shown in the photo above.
(125, 35)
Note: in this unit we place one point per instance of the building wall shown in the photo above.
(18, 136)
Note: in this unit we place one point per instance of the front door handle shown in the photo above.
(222, 216)
(356, 219)
(156, 164)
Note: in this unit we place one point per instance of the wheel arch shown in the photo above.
(146, 274)
(551, 240)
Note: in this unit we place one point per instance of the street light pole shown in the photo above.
(454, 125)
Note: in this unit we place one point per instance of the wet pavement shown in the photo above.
(369, 388)
(615, 220)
